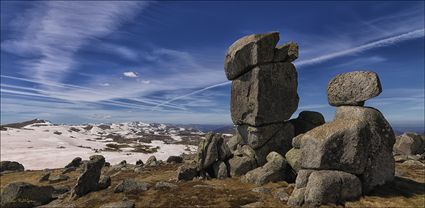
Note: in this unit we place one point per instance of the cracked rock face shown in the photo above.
(353, 88)
(267, 94)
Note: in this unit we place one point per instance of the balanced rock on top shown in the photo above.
(353, 88)
(248, 52)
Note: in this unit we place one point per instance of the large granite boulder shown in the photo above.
(21, 194)
(89, 180)
(272, 171)
(248, 52)
(338, 145)
(353, 88)
(10, 166)
(306, 121)
(267, 94)
(359, 141)
(409, 143)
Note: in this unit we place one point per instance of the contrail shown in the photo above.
(192, 93)
(376, 44)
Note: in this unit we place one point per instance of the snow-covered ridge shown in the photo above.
(42, 144)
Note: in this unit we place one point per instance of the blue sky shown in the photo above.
(77, 62)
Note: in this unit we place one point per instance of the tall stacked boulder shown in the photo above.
(350, 155)
(263, 93)
(263, 97)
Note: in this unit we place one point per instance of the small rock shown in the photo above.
(76, 162)
(162, 185)
(175, 159)
(413, 163)
(186, 173)
(139, 163)
(59, 178)
(261, 190)
(152, 161)
(121, 204)
(59, 190)
(68, 170)
(104, 182)
(44, 177)
(131, 186)
(123, 163)
(281, 195)
(409, 144)
(272, 171)
(241, 165)
(253, 205)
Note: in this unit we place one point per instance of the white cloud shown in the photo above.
(58, 29)
(130, 74)
(105, 84)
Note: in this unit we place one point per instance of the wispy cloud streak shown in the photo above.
(376, 44)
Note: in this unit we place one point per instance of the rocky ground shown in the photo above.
(407, 190)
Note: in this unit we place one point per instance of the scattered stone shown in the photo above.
(410, 143)
(139, 163)
(10, 166)
(353, 88)
(413, 163)
(104, 182)
(44, 177)
(152, 161)
(59, 190)
(89, 180)
(265, 87)
(281, 195)
(59, 178)
(120, 204)
(262, 190)
(21, 194)
(175, 159)
(68, 170)
(272, 171)
(76, 162)
(297, 197)
(124, 162)
(248, 52)
(253, 205)
(162, 185)
(131, 186)
(186, 172)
